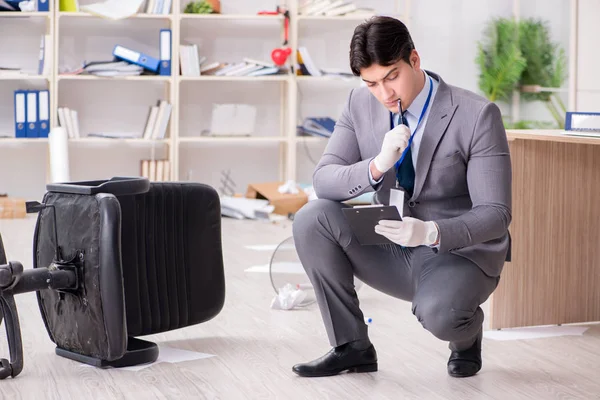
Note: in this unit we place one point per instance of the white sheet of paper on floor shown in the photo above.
(288, 298)
(269, 247)
(534, 332)
(242, 207)
(281, 267)
(289, 187)
(169, 355)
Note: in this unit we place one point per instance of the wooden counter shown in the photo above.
(554, 275)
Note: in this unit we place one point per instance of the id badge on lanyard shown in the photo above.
(397, 195)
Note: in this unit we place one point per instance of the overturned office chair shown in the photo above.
(114, 260)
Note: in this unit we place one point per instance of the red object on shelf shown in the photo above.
(280, 55)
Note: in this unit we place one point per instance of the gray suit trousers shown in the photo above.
(446, 290)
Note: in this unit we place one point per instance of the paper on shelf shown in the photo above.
(114, 9)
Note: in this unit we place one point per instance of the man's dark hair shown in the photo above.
(379, 40)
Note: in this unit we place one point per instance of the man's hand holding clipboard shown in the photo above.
(364, 220)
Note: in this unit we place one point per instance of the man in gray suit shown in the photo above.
(447, 152)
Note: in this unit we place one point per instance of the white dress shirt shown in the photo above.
(412, 115)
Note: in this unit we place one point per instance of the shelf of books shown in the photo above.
(152, 85)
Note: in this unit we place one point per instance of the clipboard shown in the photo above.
(363, 220)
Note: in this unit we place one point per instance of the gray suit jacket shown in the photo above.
(463, 175)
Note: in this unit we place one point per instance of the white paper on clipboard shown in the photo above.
(397, 199)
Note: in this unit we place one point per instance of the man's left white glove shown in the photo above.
(410, 232)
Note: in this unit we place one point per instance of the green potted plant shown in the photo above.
(203, 7)
(545, 70)
(520, 56)
(500, 60)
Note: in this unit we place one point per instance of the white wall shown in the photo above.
(445, 33)
(588, 57)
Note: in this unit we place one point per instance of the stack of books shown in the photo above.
(130, 62)
(246, 67)
(155, 129)
(192, 64)
(111, 68)
(306, 65)
(156, 170)
(333, 8)
(317, 126)
(69, 120)
(189, 60)
(158, 121)
(157, 7)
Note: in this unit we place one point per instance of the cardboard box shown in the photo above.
(284, 203)
(11, 207)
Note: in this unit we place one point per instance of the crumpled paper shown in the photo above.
(289, 187)
(288, 298)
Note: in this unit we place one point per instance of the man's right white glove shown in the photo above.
(394, 143)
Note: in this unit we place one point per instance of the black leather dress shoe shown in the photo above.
(465, 363)
(340, 359)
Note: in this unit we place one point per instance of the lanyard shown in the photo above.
(417, 127)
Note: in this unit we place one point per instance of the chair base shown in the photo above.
(138, 352)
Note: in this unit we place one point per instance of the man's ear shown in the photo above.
(414, 59)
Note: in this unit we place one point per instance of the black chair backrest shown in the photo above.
(152, 262)
(172, 257)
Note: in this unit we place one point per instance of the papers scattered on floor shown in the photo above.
(270, 247)
(193, 64)
(288, 297)
(169, 355)
(535, 332)
(242, 207)
(262, 247)
(280, 268)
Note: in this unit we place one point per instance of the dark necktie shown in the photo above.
(405, 174)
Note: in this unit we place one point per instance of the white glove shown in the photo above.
(410, 232)
(394, 143)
